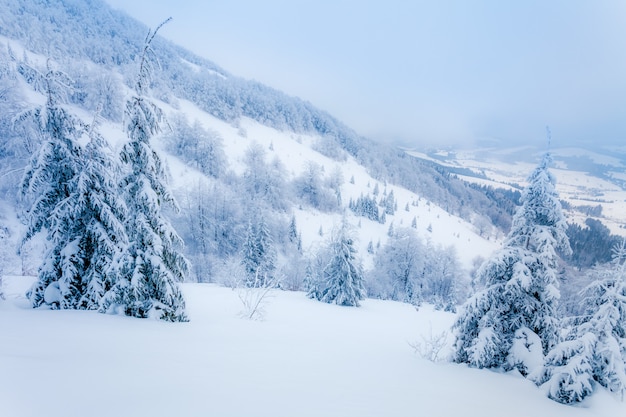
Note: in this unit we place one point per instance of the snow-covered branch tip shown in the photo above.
(145, 69)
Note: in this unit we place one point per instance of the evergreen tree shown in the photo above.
(341, 280)
(312, 279)
(99, 213)
(293, 230)
(594, 351)
(258, 257)
(366, 207)
(390, 203)
(152, 264)
(49, 180)
(518, 305)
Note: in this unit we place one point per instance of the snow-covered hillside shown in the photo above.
(304, 359)
(295, 150)
(293, 147)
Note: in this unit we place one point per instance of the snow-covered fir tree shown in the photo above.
(341, 279)
(99, 210)
(258, 257)
(390, 203)
(365, 206)
(594, 351)
(49, 182)
(513, 322)
(295, 238)
(152, 265)
(88, 233)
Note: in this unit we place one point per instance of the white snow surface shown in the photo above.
(305, 358)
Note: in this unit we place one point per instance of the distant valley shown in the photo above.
(585, 179)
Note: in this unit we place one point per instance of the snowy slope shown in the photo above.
(304, 359)
(294, 151)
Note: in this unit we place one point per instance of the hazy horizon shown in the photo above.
(424, 72)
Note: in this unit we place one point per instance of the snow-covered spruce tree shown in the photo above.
(149, 270)
(99, 210)
(594, 351)
(341, 280)
(85, 232)
(258, 256)
(49, 182)
(512, 322)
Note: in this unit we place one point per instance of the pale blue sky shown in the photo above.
(446, 71)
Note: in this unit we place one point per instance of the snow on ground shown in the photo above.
(305, 358)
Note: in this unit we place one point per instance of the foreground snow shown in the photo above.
(304, 359)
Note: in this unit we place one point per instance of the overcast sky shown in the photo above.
(437, 71)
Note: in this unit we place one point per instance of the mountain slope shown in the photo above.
(239, 115)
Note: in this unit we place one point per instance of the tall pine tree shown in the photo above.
(152, 265)
(512, 323)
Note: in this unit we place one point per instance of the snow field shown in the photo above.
(305, 358)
